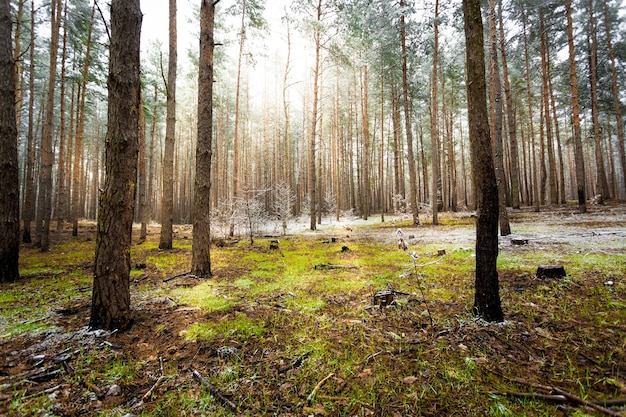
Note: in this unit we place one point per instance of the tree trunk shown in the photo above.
(110, 308)
(28, 210)
(579, 160)
(313, 133)
(602, 185)
(167, 201)
(44, 205)
(9, 174)
(434, 134)
(534, 184)
(61, 197)
(407, 123)
(17, 59)
(201, 257)
(236, 174)
(496, 128)
(545, 75)
(366, 194)
(487, 297)
(515, 183)
(616, 99)
(77, 194)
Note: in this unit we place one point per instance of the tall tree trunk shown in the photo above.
(487, 297)
(201, 256)
(141, 175)
(434, 134)
(579, 160)
(77, 194)
(496, 128)
(616, 101)
(17, 59)
(534, 184)
(602, 185)
(167, 201)
(236, 175)
(28, 210)
(313, 133)
(407, 123)
(61, 206)
(44, 205)
(9, 174)
(511, 122)
(366, 195)
(545, 75)
(110, 308)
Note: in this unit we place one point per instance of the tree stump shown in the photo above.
(519, 242)
(551, 271)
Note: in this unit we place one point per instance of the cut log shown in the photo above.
(551, 271)
(519, 242)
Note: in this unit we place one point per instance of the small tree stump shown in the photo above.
(345, 249)
(551, 271)
(441, 252)
(274, 244)
(519, 242)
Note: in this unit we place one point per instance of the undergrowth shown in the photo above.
(296, 331)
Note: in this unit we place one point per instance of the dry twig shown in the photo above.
(158, 382)
(318, 386)
(214, 391)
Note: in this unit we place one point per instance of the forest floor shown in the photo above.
(301, 330)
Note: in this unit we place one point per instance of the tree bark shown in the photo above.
(110, 308)
(9, 172)
(77, 209)
(434, 133)
(602, 185)
(515, 183)
(487, 296)
(579, 160)
(496, 128)
(201, 257)
(46, 158)
(167, 201)
(28, 209)
(616, 96)
(61, 196)
(407, 124)
(313, 133)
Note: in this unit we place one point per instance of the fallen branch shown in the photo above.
(317, 387)
(571, 397)
(156, 385)
(334, 266)
(586, 403)
(177, 276)
(214, 391)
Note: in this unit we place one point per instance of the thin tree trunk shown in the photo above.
(167, 201)
(313, 132)
(545, 75)
(616, 99)
(434, 134)
(515, 183)
(579, 160)
(487, 297)
(602, 185)
(534, 184)
(61, 206)
(77, 197)
(496, 128)
(28, 210)
(407, 122)
(44, 205)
